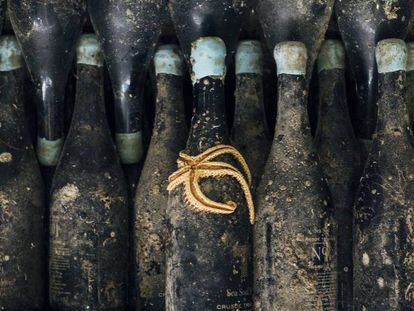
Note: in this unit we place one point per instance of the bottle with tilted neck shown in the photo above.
(300, 20)
(88, 256)
(294, 234)
(384, 233)
(362, 24)
(209, 248)
(249, 131)
(128, 32)
(47, 32)
(22, 210)
(339, 156)
(193, 19)
(168, 138)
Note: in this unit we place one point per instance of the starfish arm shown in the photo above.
(185, 157)
(178, 173)
(238, 156)
(210, 153)
(177, 181)
(193, 168)
(226, 149)
(214, 152)
(216, 166)
(180, 163)
(240, 179)
(197, 200)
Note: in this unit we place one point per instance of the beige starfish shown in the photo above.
(193, 168)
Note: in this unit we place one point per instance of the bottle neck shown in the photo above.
(13, 131)
(89, 111)
(127, 103)
(392, 116)
(208, 125)
(333, 117)
(169, 108)
(50, 98)
(367, 97)
(249, 100)
(292, 116)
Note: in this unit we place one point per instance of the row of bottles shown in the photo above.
(47, 33)
(89, 201)
(128, 32)
(198, 195)
(294, 245)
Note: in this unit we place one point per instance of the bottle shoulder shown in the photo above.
(20, 175)
(294, 177)
(339, 156)
(386, 186)
(89, 163)
(18, 160)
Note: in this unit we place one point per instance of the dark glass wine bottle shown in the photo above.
(88, 256)
(410, 82)
(22, 210)
(340, 157)
(168, 138)
(208, 252)
(47, 32)
(294, 234)
(362, 24)
(384, 233)
(249, 132)
(128, 32)
(305, 21)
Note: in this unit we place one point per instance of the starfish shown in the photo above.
(191, 169)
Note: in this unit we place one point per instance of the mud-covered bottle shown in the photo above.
(88, 256)
(22, 210)
(410, 82)
(249, 132)
(362, 24)
(128, 31)
(168, 138)
(384, 233)
(208, 252)
(340, 157)
(294, 233)
(47, 32)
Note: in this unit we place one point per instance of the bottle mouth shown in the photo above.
(331, 55)
(291, 58)
(130, 148)
(208, 56)
(168, 60)
(410, 56)
(391, 55)
(249, 57)
(10, 54)
(48, 151)
(89, 51)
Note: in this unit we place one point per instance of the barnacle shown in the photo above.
(191, 169)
